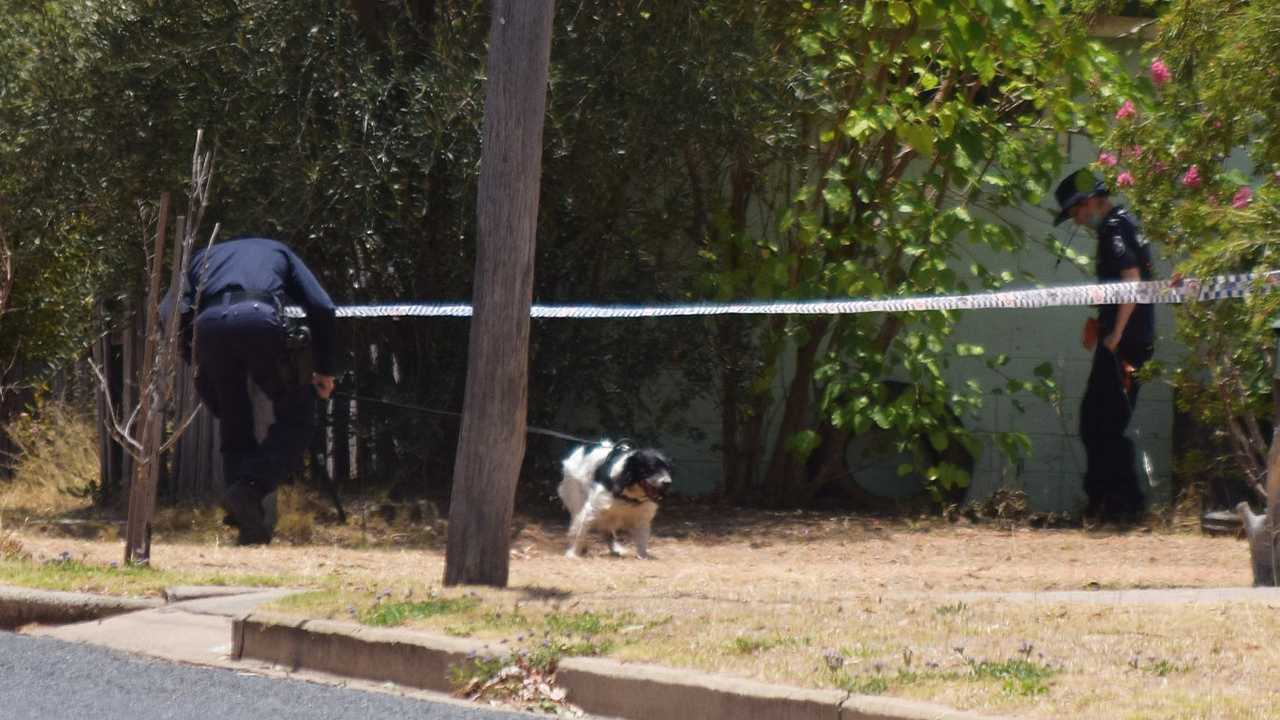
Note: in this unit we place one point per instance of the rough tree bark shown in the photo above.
(6, 272)
(142, 490)
(492, 440)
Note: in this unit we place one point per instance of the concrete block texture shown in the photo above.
(647, 692)
(405, 657)
(863, 707)
(23, 606)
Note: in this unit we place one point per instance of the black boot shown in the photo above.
(244, 506)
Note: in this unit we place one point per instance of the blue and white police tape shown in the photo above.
(1152, 292)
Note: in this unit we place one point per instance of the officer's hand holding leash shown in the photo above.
(323, 385)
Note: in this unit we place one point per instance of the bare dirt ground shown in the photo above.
(810, 599)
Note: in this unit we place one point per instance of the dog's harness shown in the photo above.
(602, 473)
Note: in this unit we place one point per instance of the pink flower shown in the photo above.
(1124, 179)
(1107, 159)
(1135, 152)
(1159, 72)
(1127, 110)
(1192, 178)
(1242, 197)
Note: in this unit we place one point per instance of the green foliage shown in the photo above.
(398, 613)
(897, 134)
(1214, 113)
(355, 137)
(753, 644)
(1017, 676)
(585, 623)
(701, 151)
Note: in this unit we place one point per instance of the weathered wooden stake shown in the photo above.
(142, 489)
(492, 440)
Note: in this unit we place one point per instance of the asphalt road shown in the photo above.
(47, 679)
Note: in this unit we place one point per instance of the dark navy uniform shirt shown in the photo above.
(266, 266)
(1121, 246)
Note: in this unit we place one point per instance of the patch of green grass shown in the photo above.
(498, 620)
(1165, 668)
(951, 609)
(1016, 676)
(69, 574)
(546, 655)
(584, 623)
(246, 580)
(752, 644)
(308, 602)
(861, 650)
(491, 620)
(477, 669)
(398, 613)
(863, 684)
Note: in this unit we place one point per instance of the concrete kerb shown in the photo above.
(639, 692)
(642, 692)
(23, 606)
(405, 657)
(599, 686)
(423, 660)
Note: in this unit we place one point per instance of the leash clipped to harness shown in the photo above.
(602, 476)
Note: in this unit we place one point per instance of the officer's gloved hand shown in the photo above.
(323, 385)
(1089, 336)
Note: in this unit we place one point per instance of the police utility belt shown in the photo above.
(297, 361)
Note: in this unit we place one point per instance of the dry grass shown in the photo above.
(55, 465)
(810, 599)
(11, 547)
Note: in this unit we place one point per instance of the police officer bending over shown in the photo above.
(240, 334)
(1122, 338)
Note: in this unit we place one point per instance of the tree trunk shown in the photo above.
(785, 469)
(492, 440)
(1273, 476)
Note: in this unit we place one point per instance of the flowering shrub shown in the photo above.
(1205, 98)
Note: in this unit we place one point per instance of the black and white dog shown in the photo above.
(613, 487)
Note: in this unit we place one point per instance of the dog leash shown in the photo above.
(531, 429)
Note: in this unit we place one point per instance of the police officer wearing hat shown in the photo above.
(235, 327)
(1122, 339)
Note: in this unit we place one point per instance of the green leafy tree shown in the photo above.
(351, 131)
(899, 131)
(694, 151)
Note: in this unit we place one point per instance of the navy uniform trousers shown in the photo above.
(235, 343)
(1111, 477)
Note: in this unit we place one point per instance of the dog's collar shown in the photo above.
(602, 474)
(630, 500)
